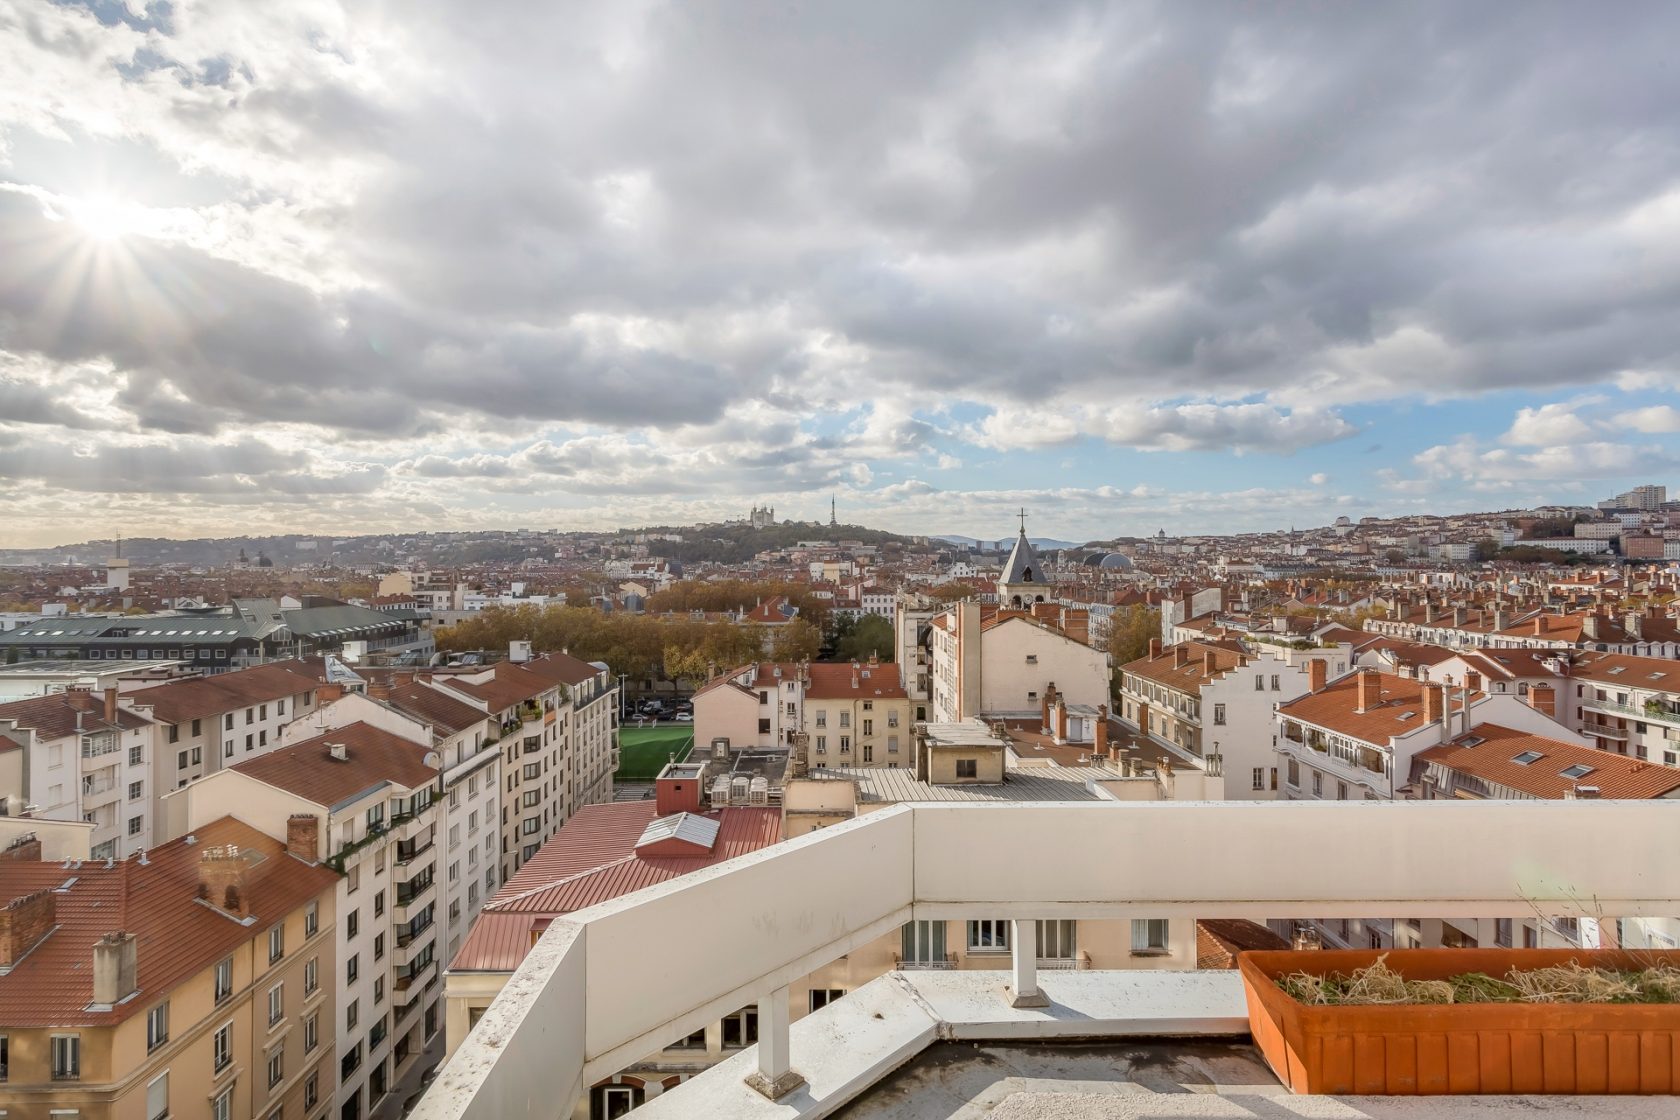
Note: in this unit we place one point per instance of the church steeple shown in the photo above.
(1022, 583)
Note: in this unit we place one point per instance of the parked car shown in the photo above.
(685, 717)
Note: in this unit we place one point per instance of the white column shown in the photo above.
(774, 1077)
(1023, 941)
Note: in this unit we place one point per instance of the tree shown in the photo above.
(869, 636)
(1129, 632)
(799, 640)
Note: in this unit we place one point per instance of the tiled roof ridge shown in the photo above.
(500, 904)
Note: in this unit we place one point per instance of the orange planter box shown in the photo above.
(1461, 1048)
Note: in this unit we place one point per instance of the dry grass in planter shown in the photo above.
(1376, 984)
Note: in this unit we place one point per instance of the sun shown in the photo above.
(105, 218)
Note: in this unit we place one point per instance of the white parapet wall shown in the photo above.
(606, 986)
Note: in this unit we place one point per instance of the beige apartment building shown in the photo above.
(857, 714)
(195, 981)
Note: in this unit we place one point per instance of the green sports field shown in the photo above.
(644, 751)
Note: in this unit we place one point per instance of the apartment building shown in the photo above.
(84, 756)
(989, 661)
(556, 717)
(195, 981)
(1213, 704)
(1625, 705)
(368, 797)
(470, 758)
(757, 706)
(207, 723)
(857, 714)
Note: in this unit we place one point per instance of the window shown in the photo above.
(351, 1061)
(135, 790)
(224, 979)
(379, 901)
(221, 1047)
(892, 744)
(276, 943)
(968, 768)
(379, 946)
(157, 1026)
(311, 975)
(352, 968)
(353, 879)
(197, 728)
(1318, 784)
(311, 1092)
(378, 990)
(157, 1097)
(276, 1004)
(1259, 777)
(352, 1015)
(922, 942)
(135, 824)
(845, 743)
(222, 1107)
(1341, 791)
(989, 935)
(312, 920)
(276, 1065)
(845, 719)
(695, 1041)
(822, 744)
(353, 923)
(1259, 682)
(1219, 713)
(1058, 939)
(741, 1028)
(66, 1057)
(1277, 685)
(5, 1055)
(1149, 935)
(1502, 932)
(822, 997)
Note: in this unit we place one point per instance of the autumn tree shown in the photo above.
(799, 640)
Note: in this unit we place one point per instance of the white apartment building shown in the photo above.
(1628, 705)
(471, 762)
(1214, 706)
(370, 796)
(83, 756)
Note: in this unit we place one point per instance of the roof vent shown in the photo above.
(338, 752)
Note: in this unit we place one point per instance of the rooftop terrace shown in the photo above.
(598, 992)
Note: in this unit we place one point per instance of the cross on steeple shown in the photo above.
(1023, 521)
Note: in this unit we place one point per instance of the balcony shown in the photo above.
(1659, 714)
(948, 961)
(407, 851)
(585, 1006)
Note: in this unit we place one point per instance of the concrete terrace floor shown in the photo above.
(1165, 1079)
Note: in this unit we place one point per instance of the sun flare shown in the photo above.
(104, 217)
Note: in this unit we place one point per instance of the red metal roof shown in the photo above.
(591, 860)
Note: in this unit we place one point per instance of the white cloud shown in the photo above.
(1654, 419)
(1547, 425)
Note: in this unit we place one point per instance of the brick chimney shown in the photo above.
(1061, 720)
(1369, 683)
(25, 849)
(1101, 736)
(1208, 663)
(1429, 612)
(303, 836)
(1154, 647)
(24, 921)
(379, 690)
(1635, 625)
(1540, 623)
(221, 878)
(116, 968)
(111, 705)
(1458, 616)
(327, 693)
(1592, 626)
(1472, 680)
(1181, 656)
(1318, 673)
(1543, 699)
(1433, 703)
(1501, 618)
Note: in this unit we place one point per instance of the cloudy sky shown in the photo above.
(358, 266)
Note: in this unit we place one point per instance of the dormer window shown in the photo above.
(1527, 758)
(1579, 770)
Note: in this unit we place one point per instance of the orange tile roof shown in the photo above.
(157, 901)
(444, 712)
(54, 715)
(1492, 760)
(1189, 677)
(180, 701)
(1398, 711)
(593, 859)
(850, 680)
(308, 769)
(1626, 670)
